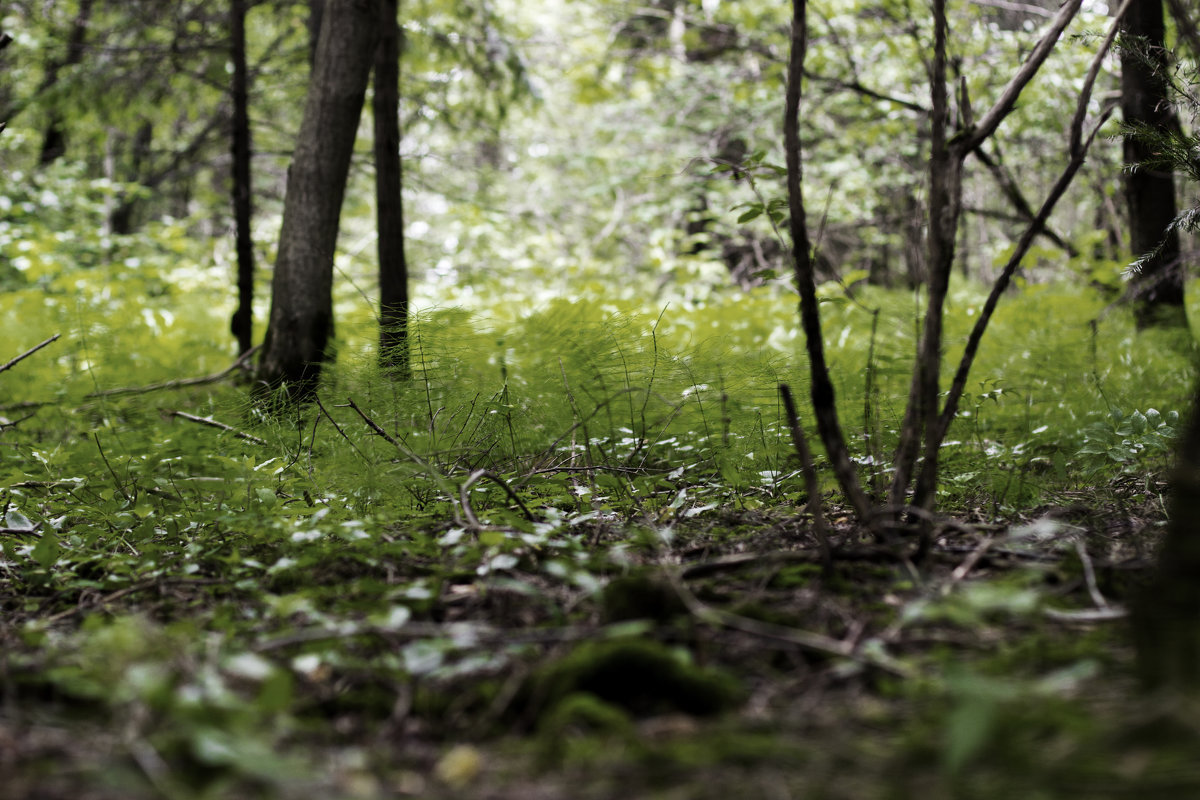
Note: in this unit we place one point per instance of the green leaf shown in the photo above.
(752, 213)
(17, 521)
(491, 538)
(46, 551)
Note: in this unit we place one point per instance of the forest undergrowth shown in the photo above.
(571, 557)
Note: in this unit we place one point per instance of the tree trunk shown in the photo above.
(1166, 615)
(393, 268)
(301, 320)
(242, 324)
(1185, 22)
(1149, 192)
(822, 393)
(5, 41)
(54, 143)
(123, 220)
(316, 11)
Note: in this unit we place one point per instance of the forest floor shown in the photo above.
(720, 661)
(587, 572)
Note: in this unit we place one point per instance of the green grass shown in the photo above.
(229, 615)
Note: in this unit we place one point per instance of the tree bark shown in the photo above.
(123, 220)
(393, 267)
(823, 399)
(1166, 614)
(316, 12)
(301, 320)
(920, 423)
(1186, 24)
(54, 143)
(5, 41)
(1149, 191)
(242, 324)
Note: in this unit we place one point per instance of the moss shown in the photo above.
(641, 597)
(795, 576)
(641, 677)
(581, 727)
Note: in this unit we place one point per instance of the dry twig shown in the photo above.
(212, 423)
(464, 495)
(768, 630)
(181, 382)
(28, 353)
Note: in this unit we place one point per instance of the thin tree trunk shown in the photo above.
(823, 399)
(1149, 192)
(1077, 150)
(54, 143)
(124, 216)
(242, 324)
(945, 205)
(5, 41)
(919, 430)
(393, 268)
(301, 320)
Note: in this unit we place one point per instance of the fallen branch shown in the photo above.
(808, 640)
(464, 495)
(181, 382)
(464, 634)
(1085, 615)
(140, 586)
(212, 423)
(28, 353)
(387, 437)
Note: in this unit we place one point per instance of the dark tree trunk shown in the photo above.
(1149, 191)
(301, 320)
(242, 324)
(822, 392)
(1185, 22)
(54, 143)
(393, 268)
(5, 41)
(945, 206)
(123, 220)
(316, 11)
(1166, 615)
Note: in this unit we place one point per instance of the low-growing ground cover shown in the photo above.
(571, 558)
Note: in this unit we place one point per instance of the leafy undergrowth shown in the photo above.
(577, 565)
(699, 657)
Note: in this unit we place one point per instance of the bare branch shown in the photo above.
(858, 88)
(990, 121)
(28, 353)
(221, 426)
(180, 382)
(1024, 8)
(1078, 153)
(1012, 191)
(464, 495)
(1089, 82)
